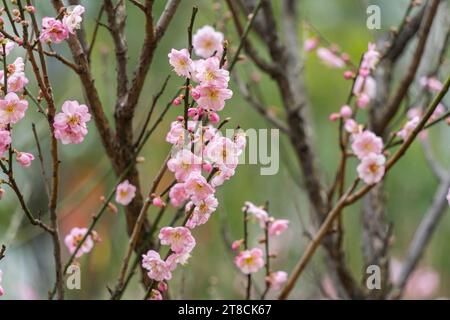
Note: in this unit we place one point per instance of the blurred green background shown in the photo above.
(211, 274)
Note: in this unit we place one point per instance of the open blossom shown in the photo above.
(70, 124)
(250, 261)
(24, 158)
(178, 194)
(277, 279)
(18, 66)
(258, 212)
(125, 193)
(365, 90)
(366, 143)
(208, 72)
(352, 127)
(278, 226)
(9, 46)
(5, 140)
(223, 173)
(409, 127)
(213, 97)
(202, 211)
(72, 20)
(329, 58)
(184, 163)
(177, 258)
(12, 109)
(223, 152)
(207, 41)
(157, 268)
(432, 84)
(73, 239)
(181, 62)
(179, 239)
(17, 82)
(155, 295)
(370, 58)
(53, 30)
(197, 187)
(177, 134)
(371, 169)
(2, 292)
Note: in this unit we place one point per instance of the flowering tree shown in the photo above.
(201, 159)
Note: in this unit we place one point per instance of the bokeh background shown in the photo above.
(211, 274)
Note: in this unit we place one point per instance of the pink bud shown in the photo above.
(176, 101)
(24, 158)
(363, 101)
(346, 112)
(334, 116)
(195, 94)
(207, 167)
(311, 44)
(213, 117)
(158, 202)
(162, 286)
(348, 75)
(192, 112)
(345, 56)
(30, 9)
(180, 118)
(18, 40)
(236, 244)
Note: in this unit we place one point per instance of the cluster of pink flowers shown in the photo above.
(202, 159)
(365, 86)
(252, 260)
(70, 124)
(76, 235)
(368, 147)
(13, 105)
(54, 30)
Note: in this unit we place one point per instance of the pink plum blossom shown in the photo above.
(250, 261)
(180, 239)
(18, 66)
(222, 152)
(432, 84)
(183, 164)
(258, 212)
(213, 97)
(12, 109)
(366, 143)
(74, 238)
(202, 211)
(223, 173)
(53, 30)
(365, 90)
(311, 44)
(178, 194)
(408, 128)
(70, 124)
(278, 226)
(197, 187)
(72, 19)
(371, 169)
(5, 140)
(351, 126)
(370, 58)
(277, 279)
(125, 193)
(177, 134)
(24, 158)
(208, 72)
(207, 41)
(329, 58)
(346, 111)
(157, 268)
(17, 81)
(174, 259)
(181, 62)
(9, 46)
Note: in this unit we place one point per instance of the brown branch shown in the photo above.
(393, 105)
(165, 18)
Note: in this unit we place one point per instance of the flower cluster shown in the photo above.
(364, 87)
(252, 260)
(368, 147)
(201, 159)
(56, 31)
(70, 124)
